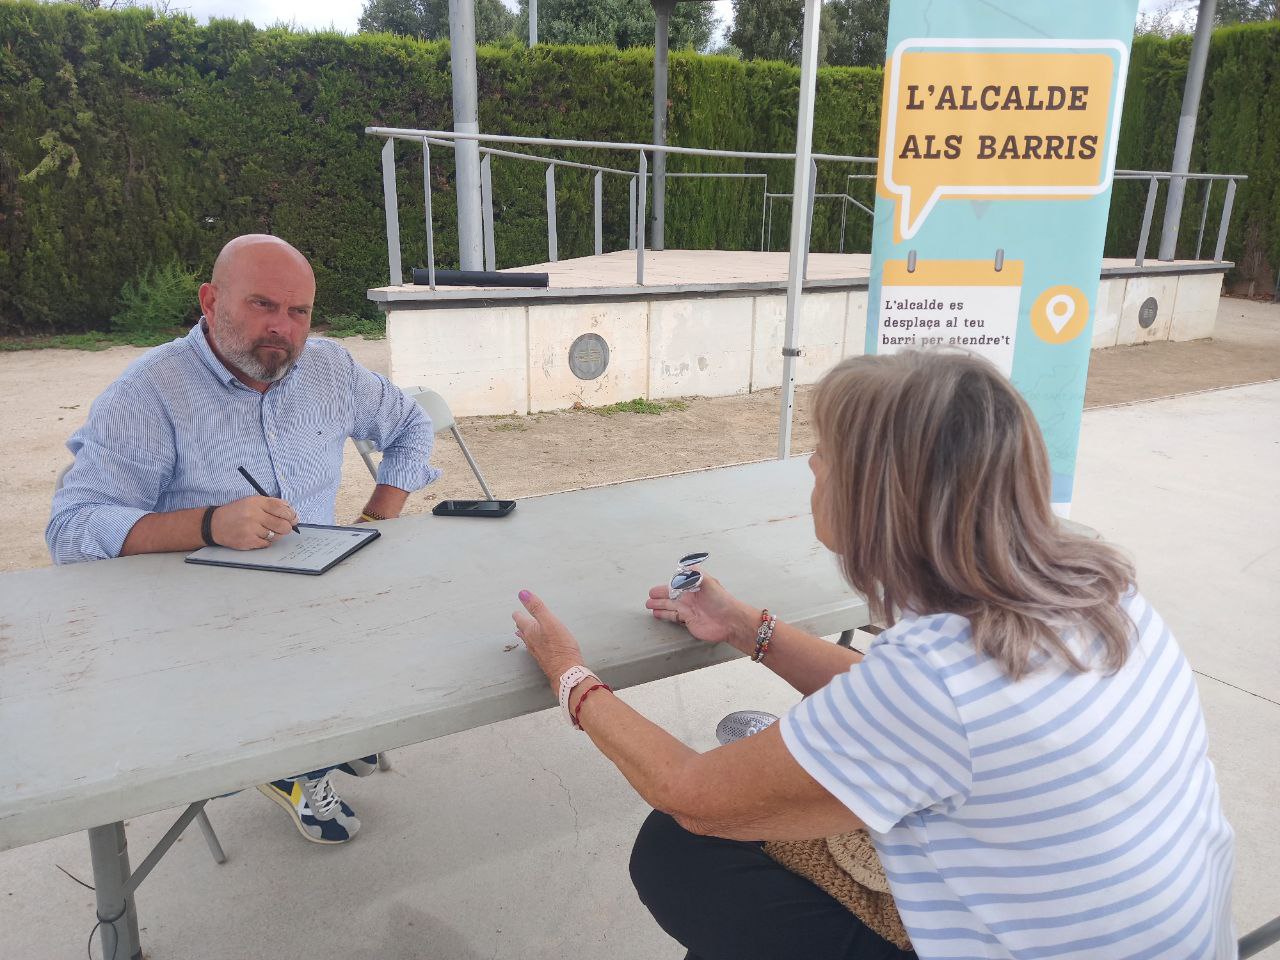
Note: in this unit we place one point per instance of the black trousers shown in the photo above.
(727, 900)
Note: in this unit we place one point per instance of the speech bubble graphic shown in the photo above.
(990, 119)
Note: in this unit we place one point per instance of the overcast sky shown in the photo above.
(343, 14)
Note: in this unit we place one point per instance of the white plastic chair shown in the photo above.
(442, 419)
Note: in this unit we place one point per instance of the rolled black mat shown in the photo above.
(480, 278)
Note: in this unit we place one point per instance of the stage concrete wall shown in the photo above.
(513, 356)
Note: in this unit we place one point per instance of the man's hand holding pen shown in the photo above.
(252, 523)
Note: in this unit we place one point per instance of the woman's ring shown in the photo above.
(271, 535)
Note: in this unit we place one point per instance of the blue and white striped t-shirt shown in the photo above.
(1062, 815)
(171, 431)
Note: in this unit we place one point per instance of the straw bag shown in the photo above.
(847, 867)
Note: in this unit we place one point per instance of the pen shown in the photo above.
(257, 486)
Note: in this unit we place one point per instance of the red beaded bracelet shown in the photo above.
(583, 699)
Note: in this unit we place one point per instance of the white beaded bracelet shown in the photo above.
(568, 680)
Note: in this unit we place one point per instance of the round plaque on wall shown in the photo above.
(1147, 312)
(589, 356)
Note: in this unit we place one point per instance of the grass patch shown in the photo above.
(351, 325)
(640, 405)
(509, 426)
(88, 341)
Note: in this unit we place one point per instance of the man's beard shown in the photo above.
(239, 352)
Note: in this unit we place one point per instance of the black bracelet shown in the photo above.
(206, 527)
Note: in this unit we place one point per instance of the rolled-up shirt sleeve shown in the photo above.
(124, 455)
(397, 425)
(885, 738)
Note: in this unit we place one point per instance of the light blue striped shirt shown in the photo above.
(171, 431)
(1064, 815)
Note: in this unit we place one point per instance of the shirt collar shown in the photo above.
(199, 340)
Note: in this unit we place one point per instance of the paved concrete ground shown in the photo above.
(512, 840)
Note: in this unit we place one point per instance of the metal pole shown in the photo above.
(1186, 129)
(117, 915)
(462, 57)
(631, 210)
(391, 206)
(1225, 222)
(663, 10)
(431, 234)
(1204, 215)
(598, 195)
(801, 187)
(642, 189)
(533, 24)
(486, 210)
(553, 242)
(1146, 222)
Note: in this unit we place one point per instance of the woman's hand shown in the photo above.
(544, 636)
(711, 613)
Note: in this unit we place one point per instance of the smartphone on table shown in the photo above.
(473, 508)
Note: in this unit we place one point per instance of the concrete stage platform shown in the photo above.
(705, 323)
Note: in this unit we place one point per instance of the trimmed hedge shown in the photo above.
(130, 141)
(1237, 131)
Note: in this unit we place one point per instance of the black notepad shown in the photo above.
(312, 551)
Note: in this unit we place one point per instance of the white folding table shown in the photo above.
(141, 684)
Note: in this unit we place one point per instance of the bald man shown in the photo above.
(155, 463)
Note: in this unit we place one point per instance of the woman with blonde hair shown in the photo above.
(1024, 743)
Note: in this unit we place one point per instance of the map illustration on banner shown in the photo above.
(998, 137)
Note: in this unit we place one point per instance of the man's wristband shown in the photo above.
(206, 527)
(370, 516)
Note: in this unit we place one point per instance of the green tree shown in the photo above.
(618, 23)
(859, 32)
(429, 19)
(771, 30)
(1246, 11)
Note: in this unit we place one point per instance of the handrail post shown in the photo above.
(598, 193)
(844, 214)
(764, 210)
(643, 189)
(631, 211)
(1146, 222)
(486, 210)
(1225, 222)
(553, 242)
(1204, 215)
(426, 192)
(391, 206)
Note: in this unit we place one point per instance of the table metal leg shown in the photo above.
(118, 933)
(210, 837)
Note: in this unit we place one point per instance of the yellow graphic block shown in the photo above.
(1026, 121)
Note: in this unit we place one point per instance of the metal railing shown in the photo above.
(637, 190)
(1154, 177)
(638, 186)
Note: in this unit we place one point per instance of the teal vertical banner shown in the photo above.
(998, 137)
